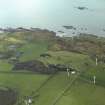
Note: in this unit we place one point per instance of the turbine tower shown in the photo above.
(68, 73)
(94, 79)
(96, 61)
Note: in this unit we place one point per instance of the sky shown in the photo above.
(17, 8)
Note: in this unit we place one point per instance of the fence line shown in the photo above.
(89, 80)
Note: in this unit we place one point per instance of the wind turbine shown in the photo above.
(68, 73)
(96, 61)
(94, 79)
(28, 101)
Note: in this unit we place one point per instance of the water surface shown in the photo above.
(53, 14)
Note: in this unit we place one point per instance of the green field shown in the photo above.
(83, 93)
(25, 83)
(80, 92)
(53, 89)
(32, 51)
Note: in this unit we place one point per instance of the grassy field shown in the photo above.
(53, 88)
(83, 93)
(32, 51)
(77, 61)
(25, 83)
(79, 94)
(48, 87)
(5, 66)
(98, 71)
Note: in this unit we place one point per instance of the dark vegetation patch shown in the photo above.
(34, 66)
(39, 67)
(61, 67)
(8, 96)
(45, 55)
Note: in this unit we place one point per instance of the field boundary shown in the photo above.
(89, 80)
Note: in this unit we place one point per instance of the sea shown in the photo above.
(87, 16)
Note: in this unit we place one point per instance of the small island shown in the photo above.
(81, 8)
(70, 27)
